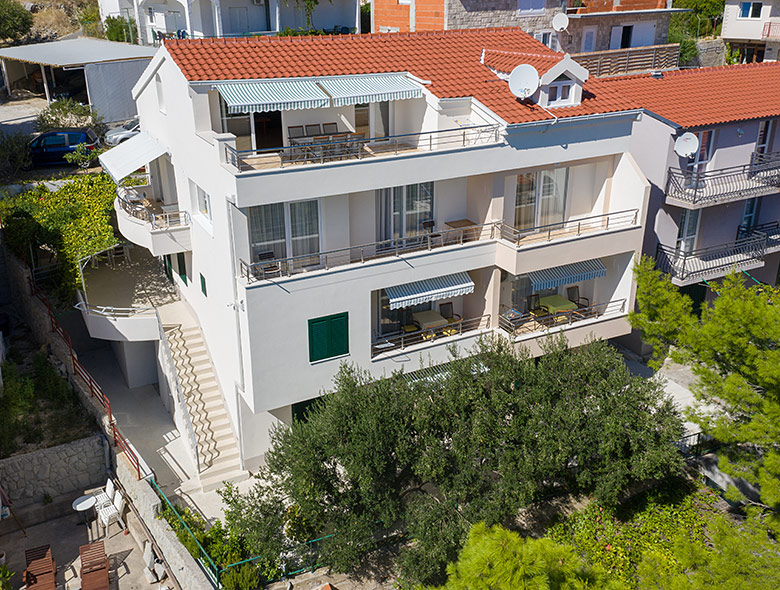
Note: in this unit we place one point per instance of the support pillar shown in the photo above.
(6, 78)
(45, 84)
(218, 30)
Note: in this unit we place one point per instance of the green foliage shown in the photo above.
(5, 577)
(618, 537)
(308, 7)
(738, 557)
(82, 156)
(288, 32)
(732, 55)
(74, 221)
(15, 21)
(497, 559)
(14, 153)
(678, 33)
(495, 432)
(89, 14)
(734, 355)
(119, 28)
(67, 113)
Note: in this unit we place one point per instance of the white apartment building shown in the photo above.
(158, 19)
(366, 199)
(753, 29)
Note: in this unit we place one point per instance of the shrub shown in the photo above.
(119, 28)
(68, 113)
(82, 156)
(14, 153)
(15, 21)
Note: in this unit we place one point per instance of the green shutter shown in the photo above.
(203, 285)
(181, 264)
(328, 337)
(168, 267)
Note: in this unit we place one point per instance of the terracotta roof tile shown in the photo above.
(506, 61)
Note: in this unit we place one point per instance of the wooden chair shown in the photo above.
(573, 295)
(312, 130)
(94, 566)
(340, 147)
(330, 128)
(41, 569)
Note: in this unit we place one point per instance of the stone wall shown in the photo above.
(54, 471)
(466, 14)
(712, 52)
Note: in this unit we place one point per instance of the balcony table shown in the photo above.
(459, 223)
(429, 319)
(557, 303)
(82, 504)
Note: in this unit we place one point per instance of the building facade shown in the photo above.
(752, 29)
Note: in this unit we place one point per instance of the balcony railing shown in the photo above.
(356, 148)
(406, 339)
(115, 312)
(516, 324)
(771, 230)
(700, 189)
(613, 62)
(771, 31)
(284, 267)
(158, 220)
(571, 228)
(703, 263)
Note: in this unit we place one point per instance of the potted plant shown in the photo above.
(5, 576)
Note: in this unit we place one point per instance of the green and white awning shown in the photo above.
(259, 96)
(348, 90)
(429, 290)
(568, 274)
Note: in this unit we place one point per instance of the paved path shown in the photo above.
(19, 115)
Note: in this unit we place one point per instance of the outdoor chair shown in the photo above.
(320, 150)
(40, 570)
(295, 131)
(330, 128)
(94, 566)
(312, 130)
(573, 295)
(536, 309)
(445, 310)
(355, 145)
(105, 496)
(340, 147)
(263, 270)
(112, 513)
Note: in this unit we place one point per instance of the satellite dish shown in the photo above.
(560, 22)
(523, 81)
(686, 145)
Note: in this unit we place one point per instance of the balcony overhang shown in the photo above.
(121, 161)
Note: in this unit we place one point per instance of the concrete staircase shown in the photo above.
(218, 452)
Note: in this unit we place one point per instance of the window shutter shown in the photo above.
(318, 339)
(328, 336)
(339, 335)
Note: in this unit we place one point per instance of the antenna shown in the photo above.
(560, 22)
(686, 145)
(523, 81)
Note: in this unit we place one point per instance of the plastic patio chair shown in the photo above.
(105, 496)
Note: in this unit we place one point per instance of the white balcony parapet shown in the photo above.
(161, 232)
(121, 324)
(356, 147)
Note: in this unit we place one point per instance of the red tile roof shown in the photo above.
(703, 97)
(506, 61)
(449, 59)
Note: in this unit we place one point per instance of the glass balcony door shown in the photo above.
(689, 228)
(404, 209)
(541, 198)
(284, 230)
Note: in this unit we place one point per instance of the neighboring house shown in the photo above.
(227, 18)
(752, 29)
(594, 25)
(375, 200)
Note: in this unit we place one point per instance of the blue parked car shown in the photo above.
(49, 148)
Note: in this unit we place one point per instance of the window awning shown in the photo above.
(567, 274)
(348, 90)
(130, 155)
(429, 290)
(272, 95)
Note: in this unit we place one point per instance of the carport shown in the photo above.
(94, 71)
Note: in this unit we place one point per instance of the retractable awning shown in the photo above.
(272, 95)
(567, 274)
(429, 290)
(130, 155)
(348, 90)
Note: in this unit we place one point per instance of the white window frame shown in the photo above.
(553, 37)
(288, 238)
(203, 202)
(765, 128)
(750, 11)
(558, 87)
(683, 236)
(698, 164)
(530, 11)
(585, 31)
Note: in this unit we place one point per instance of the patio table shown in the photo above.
(557, 303)
(429, 319)
(82, 504)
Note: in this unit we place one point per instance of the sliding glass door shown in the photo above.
(284, 230)
(404, 209)
(541, 198)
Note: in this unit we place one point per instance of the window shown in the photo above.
(689, 227)
(54, 141)
(698, 163)
(559, 92)
(749, 214)
(764, 139)
(750, 9)
(168, 267)
(547, 38)
(328, 337)
(204, 201)
(203, 286)
(541, 198)
(160, 94)
(393, 321)
(589, 39)
(287, 230)
(403, 209)
(530, 5)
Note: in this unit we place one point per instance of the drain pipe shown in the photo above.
(546, 110)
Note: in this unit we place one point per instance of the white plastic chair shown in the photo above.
(105, 497)
(112, 512)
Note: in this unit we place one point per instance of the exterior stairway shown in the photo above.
(218, 452)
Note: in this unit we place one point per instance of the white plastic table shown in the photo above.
(82, 504)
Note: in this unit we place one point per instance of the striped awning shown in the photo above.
(260, 96)
(348, 90)
(429, 290)
(567, 274)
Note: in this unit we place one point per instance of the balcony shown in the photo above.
(693, 190)
(570, 229)
(521, 325)
(355, 147)
(151, 225)
(687, 268)
(771, 230)
(403, 340)
(771, 31)
(613, 62)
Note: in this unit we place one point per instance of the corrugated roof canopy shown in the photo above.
(549, 278)
(429, 290)
(76, 52)
(272, 95)
(130, 155)
(348, 90)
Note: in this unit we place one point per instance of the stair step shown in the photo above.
(234, 476)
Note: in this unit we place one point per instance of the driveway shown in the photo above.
(19, 115)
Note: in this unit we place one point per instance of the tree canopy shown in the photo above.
(733, 351)
(15, 21)
(434, 455)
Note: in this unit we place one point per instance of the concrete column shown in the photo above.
(45, 84)
(218, 30)
(137, 12)
(5, 78)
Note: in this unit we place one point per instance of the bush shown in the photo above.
(15, 21)
(82, 156)
(14, 153)
(67, 113)
(118, 28)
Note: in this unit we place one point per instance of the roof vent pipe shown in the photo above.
(657, 75)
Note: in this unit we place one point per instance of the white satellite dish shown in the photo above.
(523, 81)
(560, 22)
(686, 145)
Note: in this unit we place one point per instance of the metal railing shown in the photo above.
(114, 312)
(159, 220)
(358, 149)
(771, 230)
(697, 444)
(405, 339)
(284, 267)
(699, 263)
(760, 177)
(771, 30)
(573, 227)
(185, 410)
(613, 62)
(518, 324)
